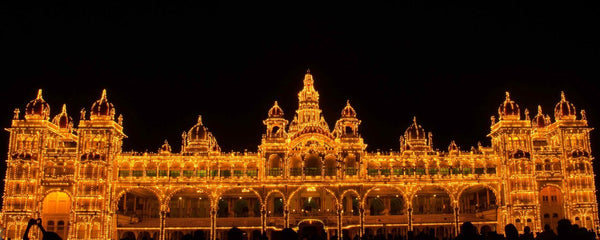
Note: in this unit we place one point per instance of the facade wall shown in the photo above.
(535, 172)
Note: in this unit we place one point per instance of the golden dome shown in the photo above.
(198, 131)
(564, 109)
(415, 131)
(62, 120)
(37, 108)
(348, 111)
(102, 108)
(275, 111)
(509, 109)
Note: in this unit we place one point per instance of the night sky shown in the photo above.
(447, 64)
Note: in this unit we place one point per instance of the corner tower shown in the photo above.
(100, 139)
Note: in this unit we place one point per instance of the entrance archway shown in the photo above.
(56, 209)
(551, 206)
(311, 229)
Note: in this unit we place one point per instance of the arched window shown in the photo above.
(50, 226)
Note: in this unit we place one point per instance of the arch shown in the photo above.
(330, 165)
(478, 203)
(350, 202)
(388, 195)
(56, 207)
(307, 200)
(175, 191)
(274, 165)
(252, 170)
(188, 170)
(138, 205)
(351, 165)
(151, 169)
(244, 202)
(138, 169)
(295, 165)
(157, 193)
(274, 203)
(432, 199)
(189, 202)
(128, 235)
(551, 204)
(313, 165)
(144, 235)
(163, 169)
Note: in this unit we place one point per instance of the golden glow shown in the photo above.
(533, 170)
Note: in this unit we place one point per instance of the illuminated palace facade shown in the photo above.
(304, 176)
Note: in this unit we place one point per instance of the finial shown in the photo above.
(276, 104)
(308, 71)
(348, 102)
(583, 116)
(562, 96)
(64, 108)
(507, 95)
(39, 95)
(82, 116)
(120, 119)
(200, 119)
(17, 111)
(103, 94)
(415, 120)
(526, 114)
(493, 118)
(539, 109)
(166, 142)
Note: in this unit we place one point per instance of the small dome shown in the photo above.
(564, 109)
(509, 109)
(102, 108)
(62, 120)
(198, 131)
(37, 108)
(348, 111)
(540, 120)
(275, 111)
(415, 131)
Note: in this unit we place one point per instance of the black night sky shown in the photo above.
(447, 64)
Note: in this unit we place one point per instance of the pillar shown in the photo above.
(163, 215)
(339, 222)
(263, 219)
(286, 216)
(456, 228)
(361, 211)
(410, 219)
(213, 223)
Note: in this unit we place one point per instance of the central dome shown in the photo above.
(509, 110)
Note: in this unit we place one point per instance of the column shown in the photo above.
(163, 215)
(263, 219)
(213, 223)
(456, 228)
(361, 211)
(339, 222)
(410, 218)
(286, 216)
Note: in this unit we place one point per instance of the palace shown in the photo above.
(305, 175)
